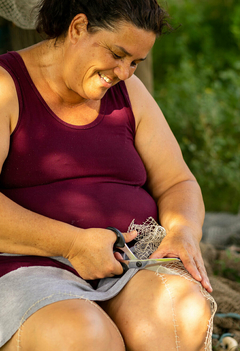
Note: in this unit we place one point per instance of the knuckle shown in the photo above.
(110, 269)
(100, 276)
(188, 259)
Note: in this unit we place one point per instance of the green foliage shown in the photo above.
(197, 85)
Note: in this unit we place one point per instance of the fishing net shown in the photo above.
(223, 267)
(20, 12)
(221, 229)
(150, 235)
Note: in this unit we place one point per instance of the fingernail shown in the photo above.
(210, 286)
(207, 285)
(199, 277)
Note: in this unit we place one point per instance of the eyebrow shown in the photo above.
(128, 54)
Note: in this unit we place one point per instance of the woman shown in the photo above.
(80, 151)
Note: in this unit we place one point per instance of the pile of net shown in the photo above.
(222, 229)
(223, 267)
(221, 253)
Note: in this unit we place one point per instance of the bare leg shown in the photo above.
(69, 325)
(153, 316)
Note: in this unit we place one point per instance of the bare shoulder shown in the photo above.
(143, 104)
(8, 96)
(8, 111)
(148, 115)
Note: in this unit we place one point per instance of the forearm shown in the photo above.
(25, 232)
(181, 207)
(90, 251)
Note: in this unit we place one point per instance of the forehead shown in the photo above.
(129, 37)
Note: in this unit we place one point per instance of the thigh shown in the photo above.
(67, 325)
(164, 310)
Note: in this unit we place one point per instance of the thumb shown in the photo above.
(157, 254)
(130, 236)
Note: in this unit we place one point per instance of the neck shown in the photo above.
(50, 61)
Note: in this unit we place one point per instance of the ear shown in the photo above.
(77, 27)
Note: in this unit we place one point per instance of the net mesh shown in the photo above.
(20, 12)
(150, 236)
(223, 267)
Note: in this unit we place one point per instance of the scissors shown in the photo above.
(133, 261)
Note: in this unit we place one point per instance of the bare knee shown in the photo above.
(170, 312)
(193, 313)
(70, 325)
(192, 306)
(180, 317)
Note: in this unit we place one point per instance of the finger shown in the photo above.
(191, 267)
(120, 259)
(205, 280)
(118, 256)
(130, 236)
(199, 263)
(198, 273)
(160, 253)
(119, 270)
(156, 254)
(206, 284)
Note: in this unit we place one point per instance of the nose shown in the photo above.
(123, 71)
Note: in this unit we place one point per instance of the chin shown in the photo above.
(97, 95)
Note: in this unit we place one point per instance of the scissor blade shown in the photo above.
(149, 262)
(128, 252)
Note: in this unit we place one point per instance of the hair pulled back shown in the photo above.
(55, 16)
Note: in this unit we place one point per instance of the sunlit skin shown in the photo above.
(114, 54)
(72, 74)
(111, 56)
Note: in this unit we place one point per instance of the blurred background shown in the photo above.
(197, 85)
(194, 74)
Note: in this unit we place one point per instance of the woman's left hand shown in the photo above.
(186, 247)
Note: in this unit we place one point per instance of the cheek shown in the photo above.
(133, 70)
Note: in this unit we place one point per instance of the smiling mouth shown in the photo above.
(105, 78)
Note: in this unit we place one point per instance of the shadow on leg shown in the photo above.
(160, 313)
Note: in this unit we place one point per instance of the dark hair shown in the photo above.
(55, 16)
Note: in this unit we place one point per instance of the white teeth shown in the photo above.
(105, 78)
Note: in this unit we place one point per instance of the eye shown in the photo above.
(134, 64)
(117, 57)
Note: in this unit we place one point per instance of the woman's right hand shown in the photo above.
(91, 253)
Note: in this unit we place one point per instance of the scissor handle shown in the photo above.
(125, 268)
(120, 242)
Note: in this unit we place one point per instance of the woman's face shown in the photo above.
(97, 61)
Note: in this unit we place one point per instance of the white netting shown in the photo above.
(150, 235)
(20, 12)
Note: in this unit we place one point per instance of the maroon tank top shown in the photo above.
(87, 176)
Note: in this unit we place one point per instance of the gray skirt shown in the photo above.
(27, 289)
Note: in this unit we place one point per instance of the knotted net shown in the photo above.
(223, 268)
(150, 236)
(20, 12)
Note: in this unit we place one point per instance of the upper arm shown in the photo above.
(155, 142)
(8, 112)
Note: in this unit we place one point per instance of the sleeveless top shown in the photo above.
(87, 176)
